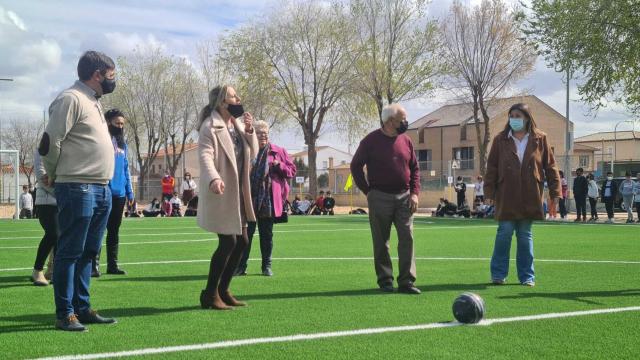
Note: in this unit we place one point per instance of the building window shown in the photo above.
(584, 161)
(466, 157)
(343, 162)
(463, 132)
(159, 167)
(424, 159)
(325, 165)
(421, 136)
(153, 169)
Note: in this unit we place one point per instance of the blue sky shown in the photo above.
(41, 40)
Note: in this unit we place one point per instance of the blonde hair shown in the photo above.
(216, 98)
(261, 125)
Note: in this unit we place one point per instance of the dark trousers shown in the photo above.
(608, 204)
(592, 205)
(461, 198)
(26, 214)
(48, 217)
(581, 206)
(224, 261)
(563, 207)
(638, 209)
(265, 231)
(113, 231)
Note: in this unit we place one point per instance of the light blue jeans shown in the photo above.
(502, 248)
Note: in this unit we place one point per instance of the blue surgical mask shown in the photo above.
(516, 124)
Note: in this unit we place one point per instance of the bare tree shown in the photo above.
(184, 90)
(398, 51)
(140, 96)
(305, 60)
(484, 48)
(21, 136)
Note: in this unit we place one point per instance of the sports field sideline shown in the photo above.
(323, 301)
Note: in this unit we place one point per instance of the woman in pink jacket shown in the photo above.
(269, 177)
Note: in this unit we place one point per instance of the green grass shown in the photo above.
(157, 305)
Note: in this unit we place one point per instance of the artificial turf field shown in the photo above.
(324, 282)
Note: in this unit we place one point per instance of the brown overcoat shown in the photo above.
(220, 213)
(517, 189)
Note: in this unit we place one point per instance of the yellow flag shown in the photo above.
(349, 183)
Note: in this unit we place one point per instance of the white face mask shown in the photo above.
(609, 178)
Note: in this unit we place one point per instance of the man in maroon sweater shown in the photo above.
(392, 186)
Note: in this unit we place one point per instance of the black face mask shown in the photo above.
(108, 85)
(404, 126)
(235, 110)
(115, 131)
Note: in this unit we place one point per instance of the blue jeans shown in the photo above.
(524, 253)
(83, 210)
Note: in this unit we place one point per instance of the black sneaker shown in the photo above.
(70, 323)
(95, 273)
(409, 289)
(388, 288)
(116, 271)
(240, 272)
(92, 317)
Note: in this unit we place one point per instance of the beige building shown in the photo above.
(449, 133)
(623, 145)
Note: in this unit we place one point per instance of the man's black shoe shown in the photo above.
(409, 289)
(70, 323)
(116, 271)
(92, 317)
(388, 288)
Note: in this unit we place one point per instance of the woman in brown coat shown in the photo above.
(226, 146)
(519, 162)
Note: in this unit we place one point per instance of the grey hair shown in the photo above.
(389, 111)
(261, 125)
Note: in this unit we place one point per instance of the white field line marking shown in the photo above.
(333, 334)
(275, 231)
(128, 243)
(162, 262)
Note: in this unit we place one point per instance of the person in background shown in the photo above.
(626, 190)
(26, 203)
(175, 204)
(33, 190)
(132, 209)
(609, 192)
(580, 191)
(329, 203)
(121, 193)
(593, 195)
(479, 209)
(514, 182)
(552, 204)
(78, 156)
(227, 144)
(305, 205)
(48, 210)
(270, 174)
(392, 186)
(563, 200)
(153, 209)
(445, 207)
(319, 205)
(167, 208)
(189, 187)
(295, 206)
(461, 192)
(636, 196)
(478, 189)
(168, 183)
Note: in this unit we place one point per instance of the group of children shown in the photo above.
(323, 205)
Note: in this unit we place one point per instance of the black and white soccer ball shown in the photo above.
(468, 308)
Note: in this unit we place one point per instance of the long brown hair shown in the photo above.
(216, 98)
(524, 108)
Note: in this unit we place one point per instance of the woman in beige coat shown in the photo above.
(226, 146)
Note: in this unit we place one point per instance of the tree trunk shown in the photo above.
(312, 156)
(486, 137)
(479, 137)
(141, 189)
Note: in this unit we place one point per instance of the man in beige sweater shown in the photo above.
(78, 156)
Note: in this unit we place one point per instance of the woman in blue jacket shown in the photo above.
(121, 192)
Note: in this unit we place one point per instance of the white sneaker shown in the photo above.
(38, 278)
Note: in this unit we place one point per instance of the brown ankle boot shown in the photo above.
(230, 300)
(211, 300)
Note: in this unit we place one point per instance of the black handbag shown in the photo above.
(284, 218)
